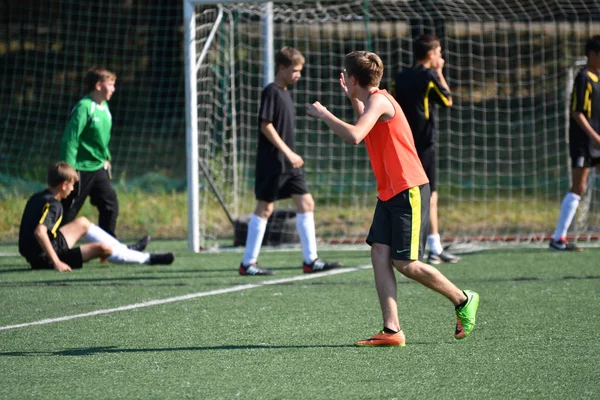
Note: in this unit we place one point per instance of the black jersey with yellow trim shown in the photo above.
(585, 99)
(41, 209)
(416, 89)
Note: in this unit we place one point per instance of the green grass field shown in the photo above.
(536, 334)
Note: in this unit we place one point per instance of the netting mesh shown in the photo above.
(502, 163)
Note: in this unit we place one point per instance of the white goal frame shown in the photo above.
(192, 63)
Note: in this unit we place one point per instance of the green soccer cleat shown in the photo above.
(465, 317)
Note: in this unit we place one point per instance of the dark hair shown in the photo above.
(593, 44)
(59, 173)
(95, 75)
(288, 56)
(365, 66)
(423, 45)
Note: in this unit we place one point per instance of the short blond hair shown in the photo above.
(366, 67)
(59, 173)
(288, 56)
(95, 75)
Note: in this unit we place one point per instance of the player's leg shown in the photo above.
(73, 203)
(437, 254)
(75, 230)
(297, 187)
(254, 238)
(410, 215)
(568, 208)
(379, 239)
(104, 197)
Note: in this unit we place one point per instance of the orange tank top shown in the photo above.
(393, 155)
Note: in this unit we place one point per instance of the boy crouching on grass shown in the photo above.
(45, 246)
(402, 212)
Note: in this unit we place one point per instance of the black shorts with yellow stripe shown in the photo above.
(402, 223)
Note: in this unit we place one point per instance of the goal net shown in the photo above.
(503, 166)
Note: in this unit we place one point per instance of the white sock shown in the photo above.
(305, 224)
(256, 232)
(567, 212)
(97, 234)
(123, 255)
(435, 244)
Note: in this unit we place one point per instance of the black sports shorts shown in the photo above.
(402, 223)
(71, 257)
(281, 186)
(427, 157)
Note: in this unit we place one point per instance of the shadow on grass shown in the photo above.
(89, 351)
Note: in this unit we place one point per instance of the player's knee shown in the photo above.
(83, 222)
(306, 204)
(578, 189)
(105, 250)
(264, 210)
(406, 267)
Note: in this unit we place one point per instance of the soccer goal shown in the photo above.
(502, 151)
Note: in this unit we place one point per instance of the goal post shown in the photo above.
(502, 149)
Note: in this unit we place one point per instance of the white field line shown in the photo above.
(190, 296)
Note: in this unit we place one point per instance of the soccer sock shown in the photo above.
(123, 255)
(567, 212)
(256, 232)
(305, 224)
(97, 234)
(464, 303)
(388, 330)
(435, 244)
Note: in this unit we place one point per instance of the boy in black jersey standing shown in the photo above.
(584, 141)
(417, 89)
(279, 173)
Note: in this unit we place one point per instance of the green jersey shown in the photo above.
(84, 145)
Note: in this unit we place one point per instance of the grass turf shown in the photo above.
(535, 335)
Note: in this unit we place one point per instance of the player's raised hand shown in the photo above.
(295, 160)
(440, 64)
(343, 83)
(316, 109)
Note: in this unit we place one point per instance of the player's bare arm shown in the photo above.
(271, 134)
(41, 235)
(438, 69)
(376, 107)
(587, 128)
(357, 105)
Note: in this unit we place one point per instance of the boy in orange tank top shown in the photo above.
(402, 212)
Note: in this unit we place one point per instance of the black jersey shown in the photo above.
(41, 209)
(586, 100)
(277, 107)
(416, 89)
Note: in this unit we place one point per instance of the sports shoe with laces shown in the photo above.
(161, 258)
(254, 269)
(319, 265)
(563, 245)
(443, 257)
(141, 244)
(383, 339)
(465, 316)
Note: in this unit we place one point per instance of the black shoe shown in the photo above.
(254, 269)
(320, 265)
(161, 258)
(563, 245)
(141, 244)
(443, 257)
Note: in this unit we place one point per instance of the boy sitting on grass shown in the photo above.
(45, 246)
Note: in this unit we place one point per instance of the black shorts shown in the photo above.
(282, 186)
(71, 257)
(579, 150)
(427, 157)
(402, 223)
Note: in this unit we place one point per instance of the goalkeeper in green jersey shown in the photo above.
(84, 146)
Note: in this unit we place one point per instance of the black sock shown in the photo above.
(388, 330)
(464, 303)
